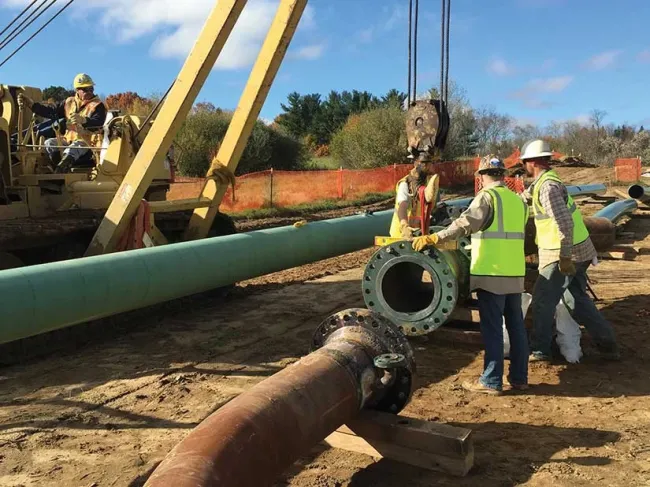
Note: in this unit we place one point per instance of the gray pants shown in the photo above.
(549, 288)
(76, 150)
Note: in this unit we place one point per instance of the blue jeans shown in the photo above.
(493, 309)
(550, 287)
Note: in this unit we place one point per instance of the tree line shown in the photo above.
(358, 129)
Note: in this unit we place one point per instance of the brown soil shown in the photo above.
(105, 415)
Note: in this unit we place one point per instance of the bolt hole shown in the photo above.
(371, 304)
(372, 266)
(436, 321)
(379, 257)
(346, 318)
(401, 328)
(445, 310)
(414, 330)
(402, 246)
(449, 298)
(361, 319)
(450, 285)
(426, 327)
(368, 291)
(445, 272)
(375, 324)
(368, 278)
(333, 322)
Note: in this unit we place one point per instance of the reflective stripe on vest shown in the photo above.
(548, 233)
(499, 249)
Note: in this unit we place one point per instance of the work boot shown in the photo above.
(65, 165)
(539, 357)
(476, 386)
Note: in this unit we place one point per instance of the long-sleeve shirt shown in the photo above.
(54, 112)
(553, 197)
(477, 217)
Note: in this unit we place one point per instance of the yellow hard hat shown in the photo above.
(82, 80)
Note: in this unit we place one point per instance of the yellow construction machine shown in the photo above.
(119, 201)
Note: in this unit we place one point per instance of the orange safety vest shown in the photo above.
(83, 108)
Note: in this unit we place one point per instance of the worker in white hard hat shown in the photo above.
(565, 253)
(84, 113)
(496, 220)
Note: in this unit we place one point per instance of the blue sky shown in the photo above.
(537, 60)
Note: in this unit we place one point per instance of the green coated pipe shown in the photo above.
(46, 297)
(617, 210)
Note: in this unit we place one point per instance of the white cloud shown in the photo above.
(531, 94)
(583, 119)
(366, 35)
(603, 60)
(176, 25)
(644, 56)
(397, 15)
(310, 52)
(549, 85)
(500, 67)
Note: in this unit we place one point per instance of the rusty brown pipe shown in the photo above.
(251, 440)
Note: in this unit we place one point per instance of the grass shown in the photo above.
(327, 162)
(312, 207)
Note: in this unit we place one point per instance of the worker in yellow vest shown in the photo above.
(416, 196)
(84, 113)
(565, 254)
(496, 220)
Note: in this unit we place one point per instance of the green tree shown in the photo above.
(204, 130)
(57, 93)
(371, 139)
(394, 98)
(300, 113)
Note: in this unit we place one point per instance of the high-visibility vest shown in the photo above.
(499, 249)
(416, 204)
(548, 233)
(83, 108)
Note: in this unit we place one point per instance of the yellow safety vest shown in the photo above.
(548, 233)
(85, 109)
(412, 213)
(499, 249)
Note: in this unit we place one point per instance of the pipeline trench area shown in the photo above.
(107, 413)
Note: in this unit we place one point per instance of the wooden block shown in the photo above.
(617, 255)
(622, 194)
(424, 444)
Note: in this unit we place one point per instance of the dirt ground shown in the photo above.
(105, 415)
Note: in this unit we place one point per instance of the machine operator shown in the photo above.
(84, 113)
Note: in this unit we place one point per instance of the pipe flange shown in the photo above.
(386, 337)
(381, 338)
(391, 287)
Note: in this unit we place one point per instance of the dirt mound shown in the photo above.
(579, 175)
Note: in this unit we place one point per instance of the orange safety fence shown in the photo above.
(627, 170)
(289, 188)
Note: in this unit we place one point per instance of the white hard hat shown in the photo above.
(535, 148)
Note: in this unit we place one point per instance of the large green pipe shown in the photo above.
(41, 298)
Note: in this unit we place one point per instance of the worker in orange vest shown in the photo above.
(84, 113)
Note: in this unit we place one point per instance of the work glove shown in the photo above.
(405, 230)
(420, 243)
(24, 101)
(567, 267)
(76, 119)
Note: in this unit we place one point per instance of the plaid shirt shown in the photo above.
(553, 197)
